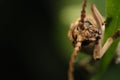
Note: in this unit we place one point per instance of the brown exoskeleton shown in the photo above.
(88, 31)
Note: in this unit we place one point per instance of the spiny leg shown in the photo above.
(72, 61)
(109, 42)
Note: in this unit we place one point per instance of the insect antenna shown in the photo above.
(77, 45)
(72, 61)
(83, 14)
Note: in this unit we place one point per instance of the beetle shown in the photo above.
(88, 31)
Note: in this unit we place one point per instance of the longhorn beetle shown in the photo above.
(86, 31)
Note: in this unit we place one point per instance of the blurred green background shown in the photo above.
(34, 43)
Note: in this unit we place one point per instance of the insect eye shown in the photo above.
(87, 23)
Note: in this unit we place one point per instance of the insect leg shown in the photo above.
(118, 54)
(97, 49)
(109, 42)
(97, 16)
(99, 20)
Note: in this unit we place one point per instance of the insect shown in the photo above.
(89, 30)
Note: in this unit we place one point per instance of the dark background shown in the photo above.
(26, 45)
